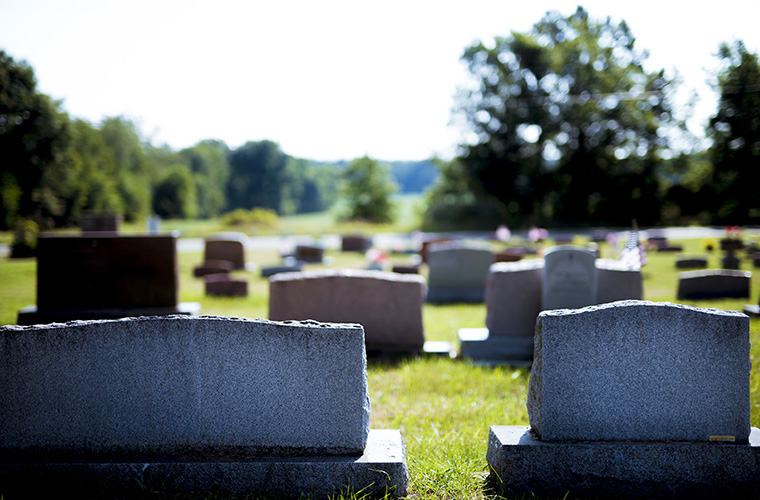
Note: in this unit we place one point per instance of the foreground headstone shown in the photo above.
(457, 271)
(634, 399)
(244, 405)
(104, 276)
(713, 284)
(388, 305)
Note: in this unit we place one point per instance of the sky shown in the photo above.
(325, 79)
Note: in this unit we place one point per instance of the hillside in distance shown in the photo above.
(410, 176)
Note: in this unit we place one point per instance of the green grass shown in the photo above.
(443, 408)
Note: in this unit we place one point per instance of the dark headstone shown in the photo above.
(226, 285)
(309, 253)
(355, 243)
(100, 223)
(691, 261)
(213, 267)
(226, 246)
(713, 284)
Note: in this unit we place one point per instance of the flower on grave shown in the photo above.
(503, 233)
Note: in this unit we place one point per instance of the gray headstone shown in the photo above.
(182, 387)
(616, 282)
(640, 371)
(713, 284)
(457, 271)
(513, 298)
(569, 278)
(388, 305)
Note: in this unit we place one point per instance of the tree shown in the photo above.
(735, 131)
(257, 173)
(33, 135)
(367, 188)
(175, 196)
(567, 125)
(211, 171)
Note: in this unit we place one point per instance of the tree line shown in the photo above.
(568, 128)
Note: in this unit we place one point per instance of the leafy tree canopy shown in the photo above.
(367, 188)
(566, 125)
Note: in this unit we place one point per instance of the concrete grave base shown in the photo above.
(482, 348)
(521, 465)
(30, 315)
(752, 310)
(381, 468)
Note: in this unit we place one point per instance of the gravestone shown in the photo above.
(634, 399)
(213, 267)
(104, 276)
(198, 402)
(730, 260)
(388, 305)
(684, 261)
(616, 281)
(97, 222)
(756, 259)
(309, 253)
(731, 244)
(513, 301)
(569, 277)
(406, 268)
(355, 243)
(226, 285)
(457, 271)
(226, 246)
(289, 265)
(511, 254)
(427, 242)
(713, 284)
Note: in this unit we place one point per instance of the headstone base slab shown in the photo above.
(381, 468)
(752, 310)
(482, 348)
(30, 315)
(521, 465)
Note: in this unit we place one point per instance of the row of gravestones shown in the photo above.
(629, 399)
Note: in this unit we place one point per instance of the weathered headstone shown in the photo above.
(691, 261)
(354, 243)
(103, 276)
(388, 305)
(457, 271)
(213, 267)
(513, 301)
(226, 285)
(713, 284)
(616, 282)
(309, 253)
(100, 222)
(201, 402)
(569, 278)
(226, 246)
(634, 399)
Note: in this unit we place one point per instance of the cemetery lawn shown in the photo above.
(443, 407)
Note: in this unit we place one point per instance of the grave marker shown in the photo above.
(713, 284)
(569, 277)
(201, 402)
(634, 399)
(457, 271)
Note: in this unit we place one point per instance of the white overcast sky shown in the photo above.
(325, 79)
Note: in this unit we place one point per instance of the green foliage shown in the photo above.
(208, 162)
(735, 130)
(24, 239)
(566, 125)
(175, 196)
(33, 134)
(253, 217)
(367, 188)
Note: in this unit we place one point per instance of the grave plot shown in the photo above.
(103, 276)
(196, 402)
(634, 399)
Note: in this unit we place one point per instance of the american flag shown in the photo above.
(633, 255)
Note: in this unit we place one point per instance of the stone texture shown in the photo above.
(713, 284)
(617, 282)
(569, 278)
(182, 387)
(226, 246)
(388, 305)
(522, 466)
(381, 466)
(457, 271)
(640, 371)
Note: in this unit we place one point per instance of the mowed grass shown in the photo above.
(443, 407)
